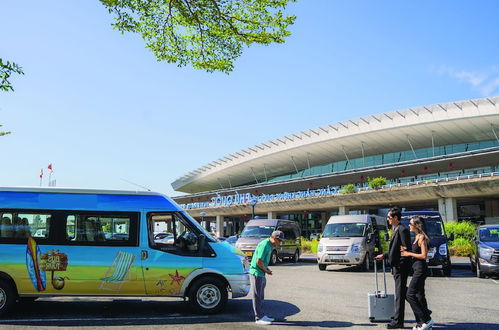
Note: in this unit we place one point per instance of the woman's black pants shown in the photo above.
(416, 295)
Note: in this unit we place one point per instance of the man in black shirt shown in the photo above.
(400, 265)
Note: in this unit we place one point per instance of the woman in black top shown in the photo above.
(416, 292)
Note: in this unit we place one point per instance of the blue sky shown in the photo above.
(99, 107)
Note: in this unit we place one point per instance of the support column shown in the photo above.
(271, 215)
(491, 208)
(448, 209)
(220, 225)
(324, 219)
(343, 210)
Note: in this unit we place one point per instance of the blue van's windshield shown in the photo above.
(257, 231)
(489, 234)
(433, 225)
(344, 230)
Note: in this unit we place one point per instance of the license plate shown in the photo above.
(248, 253)
(333, 258)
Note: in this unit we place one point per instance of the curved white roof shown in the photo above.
(446, 123)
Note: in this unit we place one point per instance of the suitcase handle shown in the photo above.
(379, 294)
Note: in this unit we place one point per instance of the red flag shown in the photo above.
(50, 168)
(41, 173)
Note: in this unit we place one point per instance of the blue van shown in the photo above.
(438, 254)
(70, 242)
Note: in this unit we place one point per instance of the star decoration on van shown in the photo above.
(176, 278)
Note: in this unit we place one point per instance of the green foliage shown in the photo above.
(461, 247)
(208, 34)
(309, 246)
(461, 229)
(6, 70)
(376, 183)
(348, 189)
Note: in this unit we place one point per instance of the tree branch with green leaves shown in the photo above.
(207, 34)
(6, 70)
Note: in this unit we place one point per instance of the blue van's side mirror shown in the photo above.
(201, 242)
(451, 237)
(387, 237)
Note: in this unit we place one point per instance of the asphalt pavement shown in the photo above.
(298, 295)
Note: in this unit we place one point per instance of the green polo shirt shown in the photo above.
(263, 251)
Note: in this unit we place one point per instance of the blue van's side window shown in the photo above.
(171, 232)
(97, 228)
(16, 226)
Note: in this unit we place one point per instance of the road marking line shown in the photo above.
(495, 281)
(104, 319)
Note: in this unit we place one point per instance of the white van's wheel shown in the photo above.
(7, 297)
(296, 257)
(208, 295)
(322, 266)
(367, 263)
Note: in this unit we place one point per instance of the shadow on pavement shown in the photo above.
(323, 324)
(467, 326)
(85, 312)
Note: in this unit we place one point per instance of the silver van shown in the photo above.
(256, 231)
(351, 240)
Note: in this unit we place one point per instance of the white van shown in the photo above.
(351, 240)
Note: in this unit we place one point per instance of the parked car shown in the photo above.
(485, 261)
(438, 253)
(232, 240)
(351, 240)
(315, 235)
(258, 230)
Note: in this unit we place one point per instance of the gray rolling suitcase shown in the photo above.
(381, 304)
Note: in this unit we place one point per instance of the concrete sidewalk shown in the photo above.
(457, 262)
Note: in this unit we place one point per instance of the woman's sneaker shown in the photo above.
(263, 322)
(427, 325)
(266, 318)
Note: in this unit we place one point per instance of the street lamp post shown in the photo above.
(206, 225)
(253, 204)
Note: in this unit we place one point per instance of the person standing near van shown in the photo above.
(400, 265)
(258, 269)
(416, 292)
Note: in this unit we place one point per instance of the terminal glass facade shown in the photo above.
(386, 159)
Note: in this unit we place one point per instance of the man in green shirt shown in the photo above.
(258, 269)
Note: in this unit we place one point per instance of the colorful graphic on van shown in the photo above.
(38, 278)
(171, 283)
(117, 272)
(54, 261)
(176, 278)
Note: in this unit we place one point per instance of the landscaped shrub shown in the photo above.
(309, 246)
(461, 247)
(306, 245)
(462, 229)
(348, 189)
(376, 183)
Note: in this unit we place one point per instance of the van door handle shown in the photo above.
(144, 255)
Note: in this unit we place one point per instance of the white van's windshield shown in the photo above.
(257, 231)
(344, 230)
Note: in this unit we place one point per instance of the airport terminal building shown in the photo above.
(441, 157)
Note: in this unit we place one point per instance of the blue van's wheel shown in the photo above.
(208, 295)
(273, 258)
(7, 296)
